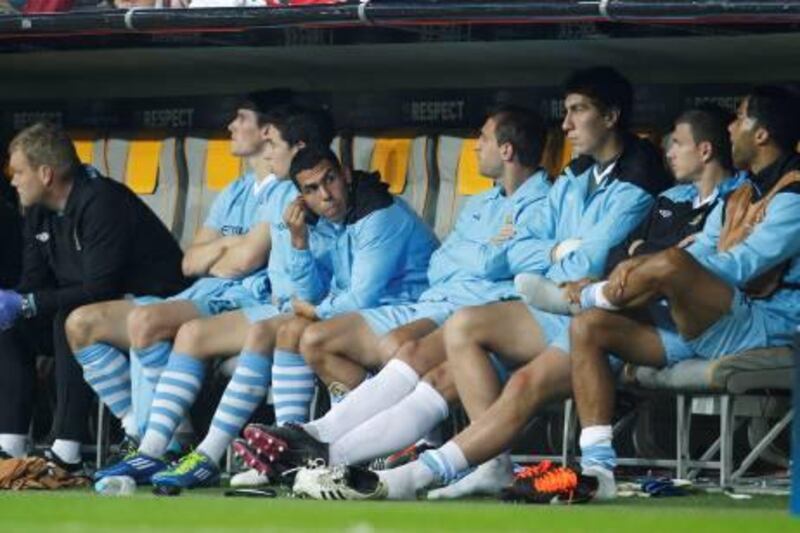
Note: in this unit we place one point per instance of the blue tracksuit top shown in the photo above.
(378, 256)
(599, 219)
(234, 212)
(772, 242)
(463, 270)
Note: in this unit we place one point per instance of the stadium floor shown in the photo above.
(207, 510)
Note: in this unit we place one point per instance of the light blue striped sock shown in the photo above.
(602, 455)
(446, 463)
(107, 371)
(245, 391)
(153, 359)
(292, 387)
(175, 393)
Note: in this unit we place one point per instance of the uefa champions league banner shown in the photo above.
(424, 110)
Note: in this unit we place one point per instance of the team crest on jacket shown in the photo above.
(43, 236)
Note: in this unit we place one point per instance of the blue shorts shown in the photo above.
(555, 328)
(502, 368)
(747, 326)
(211, 296)
(260, 313)
(384, 319)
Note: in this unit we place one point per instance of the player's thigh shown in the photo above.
(348, 336)
(506, 328)
(618, 334)
(220, 335)
(697, 297)
(424, 354)
(390, 343)
(160, 320)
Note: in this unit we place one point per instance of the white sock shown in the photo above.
(393, 429)
(487, 480)
(389, 386)
(129, 424)
(14, 445)
(68, 451)
(404, 481)
(542, 293)
(596, 436)
(592, 295)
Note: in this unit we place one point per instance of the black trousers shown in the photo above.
(19, 347)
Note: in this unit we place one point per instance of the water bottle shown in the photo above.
(116, 486)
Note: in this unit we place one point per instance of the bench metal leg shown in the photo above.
(570, 426)
(684, 424)
(102, 429)
(726, 440)
(755, 453)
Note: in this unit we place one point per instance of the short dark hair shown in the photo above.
(261, 102)
(607, 88)
(776, 109)
(709, 123)
(46, 143)
(523, 128)
(310, 157)
(296, 124)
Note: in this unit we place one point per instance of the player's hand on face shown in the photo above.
(304, 309)
(295, 219)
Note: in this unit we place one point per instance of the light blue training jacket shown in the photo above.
(378, 256)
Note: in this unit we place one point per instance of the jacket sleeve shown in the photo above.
(772, 242)
(377, 256)
(626, 208)
(529, 250)
(310, 279)
(619, 252)
(36, 272)
(104, 230)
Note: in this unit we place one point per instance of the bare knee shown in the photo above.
(389, 345)
(261, 336)
(413, 354)
(313, 341)
(463, 326)
(144, 326)
(189, 338)
(290, 333)
(441, 380)
(82, 326)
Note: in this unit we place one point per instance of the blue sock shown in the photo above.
(107, 371)
(246, 389)
(602, 455)
(292, 387)
(175, 393)
(154, 359)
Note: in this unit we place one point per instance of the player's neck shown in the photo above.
(710, 178)
(260, 167)
(514, 177)
(610, 150)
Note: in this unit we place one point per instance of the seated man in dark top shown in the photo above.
(86, 238)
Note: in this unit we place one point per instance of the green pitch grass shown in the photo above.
(208, 510)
